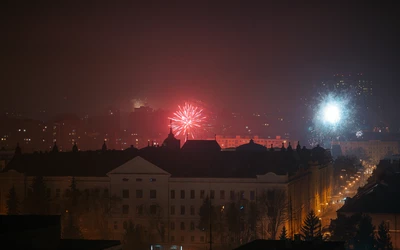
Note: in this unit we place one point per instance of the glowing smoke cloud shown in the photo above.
(334, 117)
(187, 120)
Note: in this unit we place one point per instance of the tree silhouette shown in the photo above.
(283, 235)
(12, 202)
(364, 238)
(37, 200)
(311, 229)
(134, 237)
(383, 239)
(71, 227)
(208, 216)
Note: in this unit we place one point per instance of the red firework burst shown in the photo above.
(187, 120)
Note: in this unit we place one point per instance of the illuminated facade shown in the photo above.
(163, 190)
(234, 142)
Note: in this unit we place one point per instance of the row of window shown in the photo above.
(58, 193)
(183, 226)
(192, 238)
(222, 196)
(140, 179)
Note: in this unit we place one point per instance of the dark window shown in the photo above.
(202, 238)
(125, 193)
(182, 225)
(125, 179)
(252, 195)
(139, 210)
(115, 225)
(182, 210)
(58, 191)
(192, 226)
(153, 179)
(172, 194)
(153, 209)
(139, 193)
(192, 238)
(48, 192)
(182, 194)
(202, 194)
(172, 210)
(232, 195)
(222, 195)
(125, 209)
(105, 193)
(192, 194)
(172, 238)
(153, 194)
(242, 195)
(182, 238)
(212, 194)
(192, 211)
(172, 225)
(139, 179)
(125, 225)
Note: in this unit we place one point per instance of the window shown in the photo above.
(232, 195)
(48, 192)
(139, 210)
(212, 194)
(125, 225)
(58, 191)
(182, 194)
(139, 193)
(172, 210)
(192, 194)
(125, 209)
(192, 226)
(242, 195)
(105, 193)
(192, 210)
(153, 209)
(153, 179)
(172, 194)
(182, 225)
(182, 238)
(125, 179)
(115, 225)
(252, 195)
(139, 179)
(202, 238)
(182, 210)
(125, 193)
(172, 238)
(172, 225)
(192, 238)
(153, 194)
(202, 194)
(222, 195)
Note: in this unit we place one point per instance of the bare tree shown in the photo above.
(155, 213)
(273, 209)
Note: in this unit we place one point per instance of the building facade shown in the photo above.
(234, 142)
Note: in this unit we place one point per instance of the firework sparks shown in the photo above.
(187, 120)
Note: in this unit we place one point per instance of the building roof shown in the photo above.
(251, 146)
(281, 245)
(180, 163)
(201, 146)
(83, 163)
(378, 198)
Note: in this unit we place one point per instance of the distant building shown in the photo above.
(233, 142)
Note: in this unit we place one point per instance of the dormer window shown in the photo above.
(138, 179)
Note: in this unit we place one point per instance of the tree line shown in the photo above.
(84, 214)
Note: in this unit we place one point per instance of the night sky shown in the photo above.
(245, 57)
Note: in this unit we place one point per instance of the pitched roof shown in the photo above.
(84, 163)
(201, 146)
